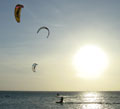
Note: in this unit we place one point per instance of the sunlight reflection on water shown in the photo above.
(91, 100)
(91, 97)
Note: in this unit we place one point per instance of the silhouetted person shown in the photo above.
(61, 100)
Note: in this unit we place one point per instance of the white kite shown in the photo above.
(34, 67)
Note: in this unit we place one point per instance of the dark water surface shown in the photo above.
(47, 100)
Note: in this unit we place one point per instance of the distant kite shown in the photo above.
(44, 28)
(34, 67)
(18, 12)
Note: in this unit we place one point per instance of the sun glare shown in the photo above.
(90, 61)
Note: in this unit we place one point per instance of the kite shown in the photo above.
(44, 28)
(34, 67)
(18, 12)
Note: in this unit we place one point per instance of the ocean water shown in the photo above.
(47, 100)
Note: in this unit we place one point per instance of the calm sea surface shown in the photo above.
(47, 100)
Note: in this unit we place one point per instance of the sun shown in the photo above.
(90, 61)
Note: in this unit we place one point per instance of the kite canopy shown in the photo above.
(18, 12)
(34, 67)
(44, 28)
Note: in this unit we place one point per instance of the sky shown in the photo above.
(72, 24)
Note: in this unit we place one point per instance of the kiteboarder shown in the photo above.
(61, 100)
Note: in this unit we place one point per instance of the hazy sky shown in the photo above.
(72, 24)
